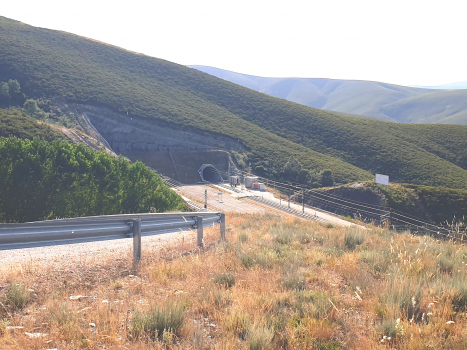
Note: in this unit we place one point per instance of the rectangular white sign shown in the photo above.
(382, 179)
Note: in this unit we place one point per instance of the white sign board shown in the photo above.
(382, 179)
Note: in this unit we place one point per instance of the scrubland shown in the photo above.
(276, 283)
(66, 68)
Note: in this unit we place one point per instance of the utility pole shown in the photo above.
(289, 201)
(303, 199)
(205, 199)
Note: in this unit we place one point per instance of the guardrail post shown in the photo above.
(136, 240)
(199, 223)
(222, 215)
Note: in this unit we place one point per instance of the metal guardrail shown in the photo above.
(106, 227)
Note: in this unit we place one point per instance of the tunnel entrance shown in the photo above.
(209, 173)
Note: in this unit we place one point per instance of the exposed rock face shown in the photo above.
(174, 151)
(131, 133)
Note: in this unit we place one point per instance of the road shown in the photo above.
(226, 203)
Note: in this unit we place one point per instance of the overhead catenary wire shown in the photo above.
(332, 203)
(328, 202)
(339, 203)
(319, 192)
(393, 212)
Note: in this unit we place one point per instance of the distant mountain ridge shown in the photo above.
(453, 86)
(369, 99)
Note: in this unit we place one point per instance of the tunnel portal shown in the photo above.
(209, 173)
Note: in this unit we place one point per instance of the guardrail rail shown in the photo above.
(106, 227)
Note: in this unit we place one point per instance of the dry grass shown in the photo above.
(276, 284)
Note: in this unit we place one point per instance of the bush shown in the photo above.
(260, 338)
(242, 237)
(238, 323)
(459, 301)
(225, 279)
(378, 261)
(168, 318)
(403, 297)
(388, 328)
(251, 259)
(352, 239)
(313, 303)
(329, 345)
(17, 295)
(221, 297)
(282, 235)
(61, 315)
(446, 264)
(294, 280)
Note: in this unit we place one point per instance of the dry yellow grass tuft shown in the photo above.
(276, 283)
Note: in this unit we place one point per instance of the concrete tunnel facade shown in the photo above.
(209, 173)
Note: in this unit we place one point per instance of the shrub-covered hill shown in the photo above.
(16, 123)
(57, 64)
(438, 204)
(46, 180)
(401, 204)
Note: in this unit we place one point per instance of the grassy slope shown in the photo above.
(58, 64)
(276, 284)
(23, 126)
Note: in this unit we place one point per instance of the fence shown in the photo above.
(106, 227)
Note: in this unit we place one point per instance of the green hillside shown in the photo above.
(437, 204)
(16, 123)
(68, 67)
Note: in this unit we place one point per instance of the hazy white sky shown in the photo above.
(407, 42)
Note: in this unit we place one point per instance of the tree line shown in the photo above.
(47, 180)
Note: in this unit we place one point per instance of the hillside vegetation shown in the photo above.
(16, 123)
(440, 205)
(47, 180)
(357, 97)
(275, 284)
(63, 66)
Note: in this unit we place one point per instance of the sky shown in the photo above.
(405, 42)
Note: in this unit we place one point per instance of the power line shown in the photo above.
(349, 201)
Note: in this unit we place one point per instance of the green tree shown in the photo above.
(292, 166)
(314, 179)
(30, 106)
(14, 86)
(4, 94)
(41, 180)
(4, 89)
(291, 169)
(326, 178)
